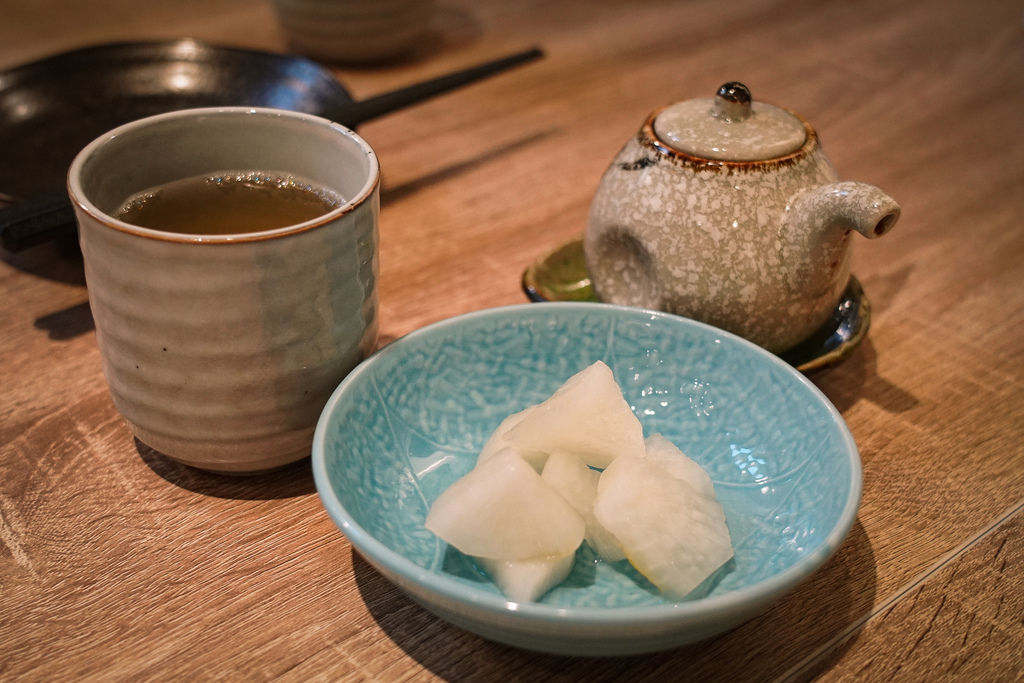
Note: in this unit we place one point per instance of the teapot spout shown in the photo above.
(847, 206)
(815, 242)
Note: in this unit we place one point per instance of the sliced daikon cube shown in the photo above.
(577, 483)
(587, 416)
(528, 580)
(503, 510)
(675, 462)
(670, 533)
(499, 440)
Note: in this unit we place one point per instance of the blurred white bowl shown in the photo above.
(353, 30)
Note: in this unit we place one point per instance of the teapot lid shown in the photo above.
(730, 127)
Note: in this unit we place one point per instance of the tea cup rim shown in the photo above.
(79, 198)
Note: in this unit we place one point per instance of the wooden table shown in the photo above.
(118, 564)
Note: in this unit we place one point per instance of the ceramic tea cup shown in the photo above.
(220, 350)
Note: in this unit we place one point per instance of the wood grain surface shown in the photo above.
(117, 564)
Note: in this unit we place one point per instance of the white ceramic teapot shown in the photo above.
(727, 210)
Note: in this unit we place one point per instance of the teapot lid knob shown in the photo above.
(732, 102)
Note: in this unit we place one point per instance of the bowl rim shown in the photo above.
(379, 555)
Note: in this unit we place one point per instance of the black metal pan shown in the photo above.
(50, 109)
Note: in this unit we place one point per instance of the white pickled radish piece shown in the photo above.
(528, 580)
(502, 509)
(670, 533)
(577, 483)
(587, 416)
(675, 462)
(499, 440)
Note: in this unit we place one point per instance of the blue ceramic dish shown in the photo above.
(410, 420)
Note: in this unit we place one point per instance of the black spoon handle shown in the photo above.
(28, 223)
(355, 113)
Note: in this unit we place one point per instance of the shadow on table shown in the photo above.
(67, 323)
(58, 260)
(798, 636)
(290, 481)
(857, 378)
(401, 191)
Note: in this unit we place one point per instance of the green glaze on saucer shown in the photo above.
(562, 275)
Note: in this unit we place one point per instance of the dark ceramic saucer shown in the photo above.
(561, 275)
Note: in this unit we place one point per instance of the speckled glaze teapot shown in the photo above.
(727, 210)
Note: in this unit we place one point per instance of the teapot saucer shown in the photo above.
(561, 275)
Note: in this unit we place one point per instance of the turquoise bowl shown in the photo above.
(410, 420)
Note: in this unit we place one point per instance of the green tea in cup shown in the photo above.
(228, 202)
